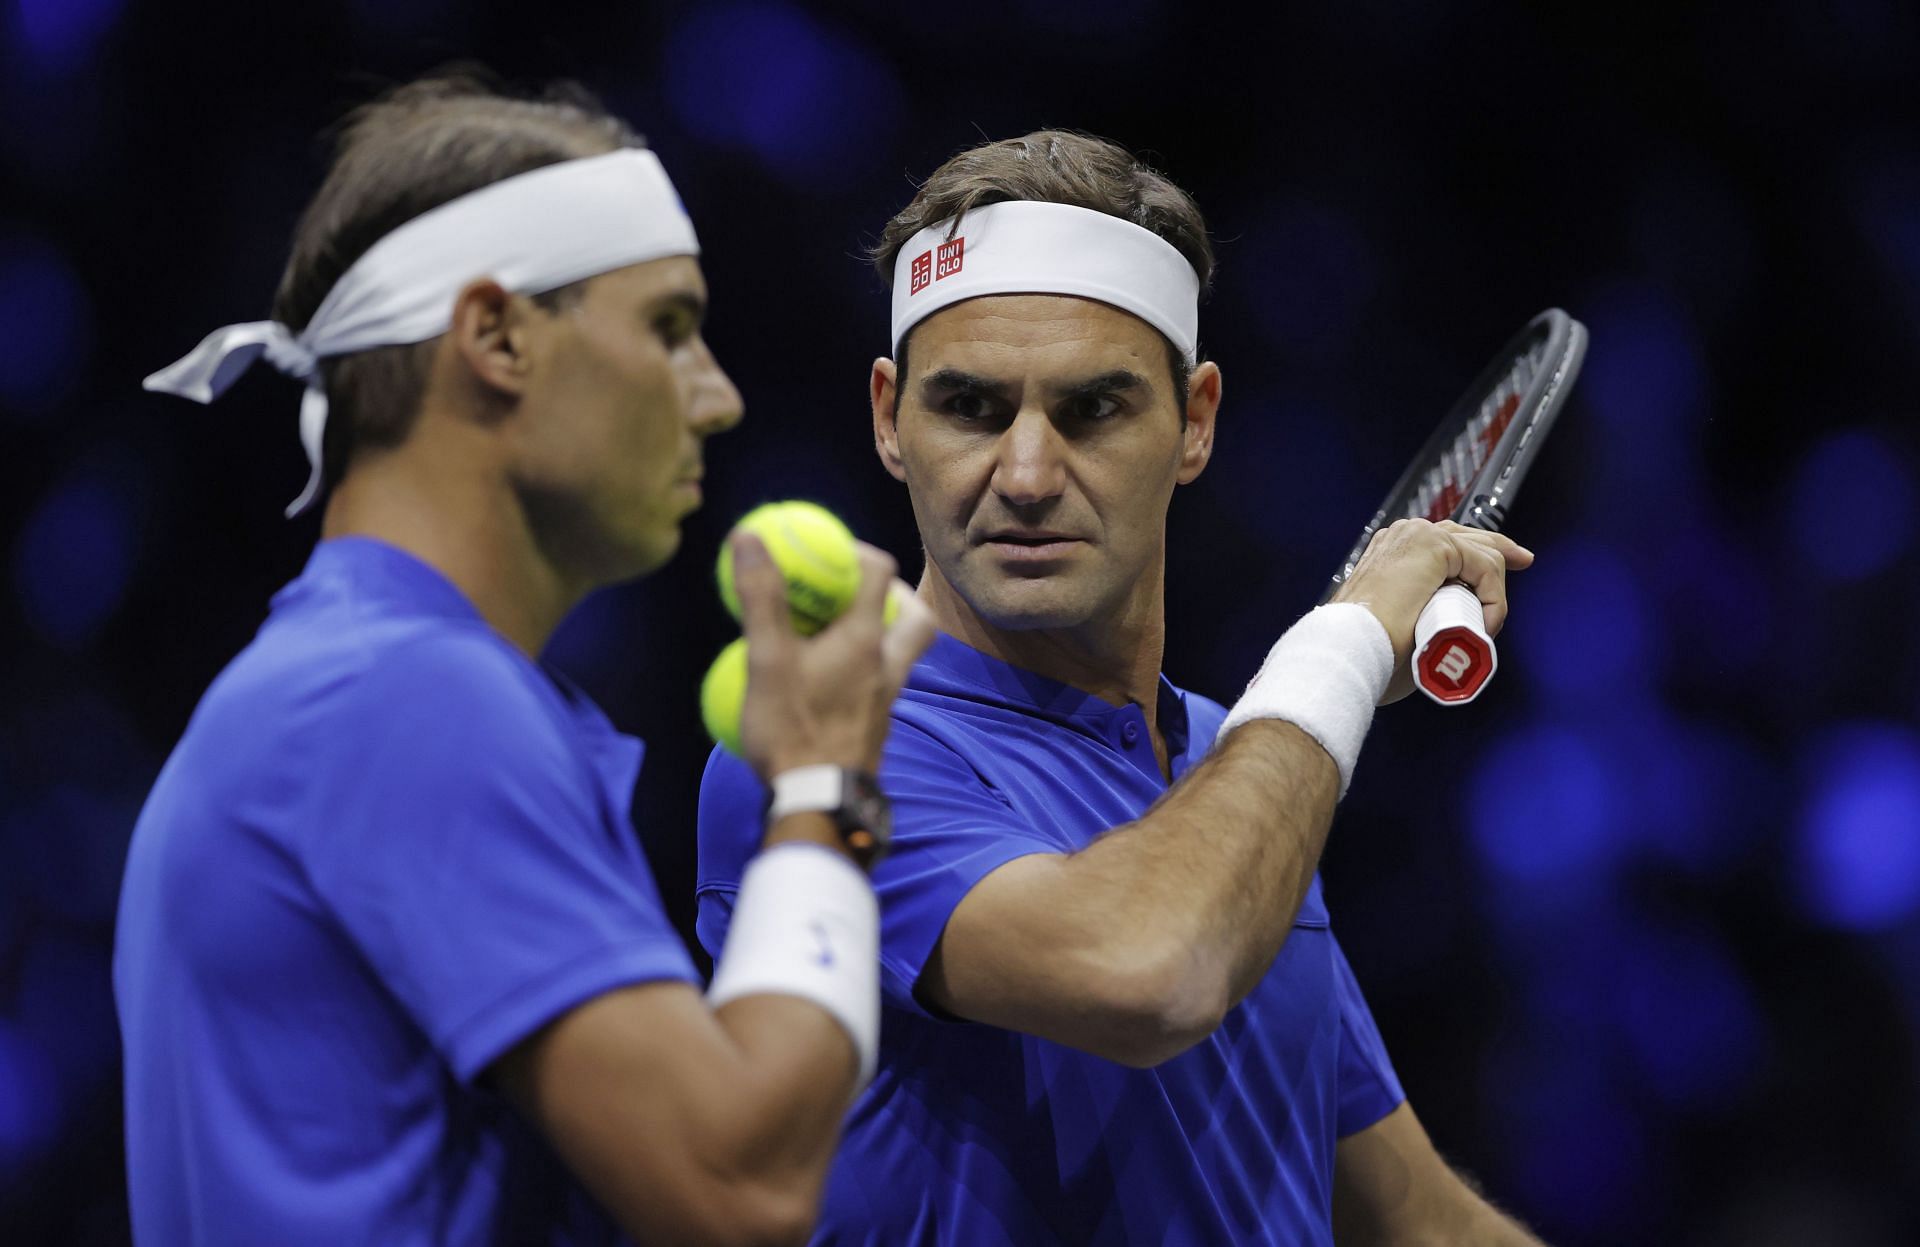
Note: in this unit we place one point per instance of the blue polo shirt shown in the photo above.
(975, 1135)
(388, 848)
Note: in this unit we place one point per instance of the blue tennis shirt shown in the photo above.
(388, 848)
(974, 1135)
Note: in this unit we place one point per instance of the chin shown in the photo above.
(1028, 607)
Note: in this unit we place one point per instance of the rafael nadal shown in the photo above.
(390, 966)
(1115, 1010)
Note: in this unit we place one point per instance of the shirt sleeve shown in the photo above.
(478, 853)
(951, 829)
(1369, 1089)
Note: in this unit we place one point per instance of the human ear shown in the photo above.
(883, 394)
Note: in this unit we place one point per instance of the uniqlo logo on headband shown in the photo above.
(952, 255)
(922, 272)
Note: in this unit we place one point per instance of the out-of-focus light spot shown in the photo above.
(30, 1109)
(65, 1002)
(45, 321)
(1702, 794)
(1583, 631)
(60, 35)
(1688, 1018)
(811, 102)
(1859, 830)
(1719, 601)
(1852, 511)
(1576, 1155)
(1543, 809)
(1645, 381)
(73, 559)
(1320, 275)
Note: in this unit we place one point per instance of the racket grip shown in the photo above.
(1453, 657)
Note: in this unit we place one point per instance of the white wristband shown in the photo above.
(806, 924)
(1324, 676)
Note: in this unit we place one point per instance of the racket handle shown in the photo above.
(1453, 657)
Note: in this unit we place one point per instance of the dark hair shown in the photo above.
(416, 147)
(1056, 166)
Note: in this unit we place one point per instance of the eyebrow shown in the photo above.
(680, 300)
(955, 381)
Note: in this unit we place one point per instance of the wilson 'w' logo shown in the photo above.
(1454, 663)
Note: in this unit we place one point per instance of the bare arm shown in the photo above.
(691, 1125)
(1392, 1189)
(694, 1124)
(1136, 946)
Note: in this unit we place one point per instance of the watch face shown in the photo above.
(866, 812)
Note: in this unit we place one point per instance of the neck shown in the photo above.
(1114, 655)
(464, 522)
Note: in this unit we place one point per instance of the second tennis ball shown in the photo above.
(813, 549)
(723, 693)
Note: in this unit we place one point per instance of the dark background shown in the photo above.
(1642, 926)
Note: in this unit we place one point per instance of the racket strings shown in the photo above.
(1444, 486)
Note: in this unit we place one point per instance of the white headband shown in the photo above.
(532, 233)
(1027, 247)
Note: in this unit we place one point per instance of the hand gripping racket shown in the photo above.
(1468, 472)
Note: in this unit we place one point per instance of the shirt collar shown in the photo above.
(383, 574)
(956, 669)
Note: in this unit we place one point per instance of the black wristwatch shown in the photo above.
(852, 799)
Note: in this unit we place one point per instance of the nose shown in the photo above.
(714, 406)
(1028, 465)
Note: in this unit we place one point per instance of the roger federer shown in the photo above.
(1115, 1009)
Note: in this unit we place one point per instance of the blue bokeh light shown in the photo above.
(1688, 1017)
(1648, 386)
(45, 320)
(773, 80)
(1859, 828)
(73, 559)
(1543, 809)
(30, 1109)
(1587, 634)
(1852, 508)
(60, 35)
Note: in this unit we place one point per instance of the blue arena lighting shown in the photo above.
(73, 559)
(1852, 509)
(1688, 1018)
(29, 1106)
(1543, 808)
(1859, 854)
(45, 321)
(1649, 390)
(1587, 635)
(810, 102)
(60, 34)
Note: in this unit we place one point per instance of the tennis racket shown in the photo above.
(1468, 472)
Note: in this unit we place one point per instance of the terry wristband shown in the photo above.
(806, 924)
(1324, 676)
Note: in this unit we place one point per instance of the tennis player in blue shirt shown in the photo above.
(390, 967)
(1115, 1011)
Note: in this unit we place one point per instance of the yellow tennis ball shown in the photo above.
(723, 693)
(814, 551)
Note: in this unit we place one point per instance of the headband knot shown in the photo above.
(534, 232)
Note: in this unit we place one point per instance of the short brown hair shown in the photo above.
(411, 150)
(1056, 166)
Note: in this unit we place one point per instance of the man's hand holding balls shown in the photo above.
(830, 637)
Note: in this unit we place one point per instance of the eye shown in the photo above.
(676, 328)
(1092, 408)
(968, 407)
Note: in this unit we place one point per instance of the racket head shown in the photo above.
(1471, 467)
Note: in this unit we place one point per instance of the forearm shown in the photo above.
(1219, 866)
